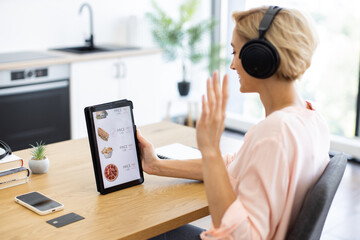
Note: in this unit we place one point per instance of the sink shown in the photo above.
(90, 46)
(95, 49)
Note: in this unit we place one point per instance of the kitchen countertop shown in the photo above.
(65, 57)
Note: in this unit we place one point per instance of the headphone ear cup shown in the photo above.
(259, 58)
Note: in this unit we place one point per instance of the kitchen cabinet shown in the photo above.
(146, 84)
(137, 78)
(91, 82)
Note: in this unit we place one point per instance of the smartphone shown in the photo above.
(39, 203)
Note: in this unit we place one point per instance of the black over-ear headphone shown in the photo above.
(259, 57)
(6, 148)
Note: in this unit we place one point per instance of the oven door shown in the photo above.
(35, 113)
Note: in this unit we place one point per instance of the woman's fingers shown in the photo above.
(217, 92)
(211, 122)
(142, 140)
(209, 92)
(205, 110)
(217, 97)
(139, 136)
(225, 93)
(215, 84)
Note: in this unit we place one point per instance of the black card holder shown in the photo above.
(65, 220)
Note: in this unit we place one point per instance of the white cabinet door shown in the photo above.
(145, 80)
(146, 86)
(92, 82)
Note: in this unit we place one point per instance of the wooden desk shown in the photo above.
(158, 205)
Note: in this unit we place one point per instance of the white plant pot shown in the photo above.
(39, 166)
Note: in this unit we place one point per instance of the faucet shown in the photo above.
(89, 42)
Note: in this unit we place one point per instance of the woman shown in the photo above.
(257, 192)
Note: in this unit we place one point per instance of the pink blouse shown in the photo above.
(281, 158)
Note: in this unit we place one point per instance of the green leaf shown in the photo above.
(38, 152)
(188, 9)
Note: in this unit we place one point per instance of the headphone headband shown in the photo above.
(267, 20)
(6, 148)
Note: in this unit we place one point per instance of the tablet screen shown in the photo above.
(116, 146)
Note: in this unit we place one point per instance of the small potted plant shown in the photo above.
(38, 163)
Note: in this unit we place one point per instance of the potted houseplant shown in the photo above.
(180, 38)
(38, 163)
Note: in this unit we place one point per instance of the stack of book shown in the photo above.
(12, 172)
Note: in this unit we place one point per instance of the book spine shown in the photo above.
(10, 165)
(14, 183)
(14, 175)
(10, 180)
(11, 171)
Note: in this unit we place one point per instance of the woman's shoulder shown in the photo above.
(287, 121)
(273, 124)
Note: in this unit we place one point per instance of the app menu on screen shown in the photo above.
(116, 146)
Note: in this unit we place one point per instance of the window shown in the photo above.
(332, 81)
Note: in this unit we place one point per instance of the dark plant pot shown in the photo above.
(184, 88)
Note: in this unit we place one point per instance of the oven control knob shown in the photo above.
(30, 74)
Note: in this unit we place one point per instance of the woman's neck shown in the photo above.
(276, 94)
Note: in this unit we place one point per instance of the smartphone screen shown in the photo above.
(116, 146)
(38, 201)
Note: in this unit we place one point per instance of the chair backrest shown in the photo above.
(315, 208)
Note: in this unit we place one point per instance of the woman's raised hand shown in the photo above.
(212, 121)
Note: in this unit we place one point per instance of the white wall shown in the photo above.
(42, 24)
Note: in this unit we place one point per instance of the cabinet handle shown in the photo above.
(123, 72)
(117, 70)
(120, 70)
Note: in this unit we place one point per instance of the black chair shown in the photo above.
(312, 216)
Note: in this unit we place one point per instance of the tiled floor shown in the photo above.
(343, 220)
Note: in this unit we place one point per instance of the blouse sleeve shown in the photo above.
(261, 195)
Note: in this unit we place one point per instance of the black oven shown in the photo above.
(34, 106)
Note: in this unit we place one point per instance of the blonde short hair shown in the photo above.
(290, 32)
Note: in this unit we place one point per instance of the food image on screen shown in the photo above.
(107, 152)
(111, 172)
(101, 114)
(103, 134)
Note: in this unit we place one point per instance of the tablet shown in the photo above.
(114, 146)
